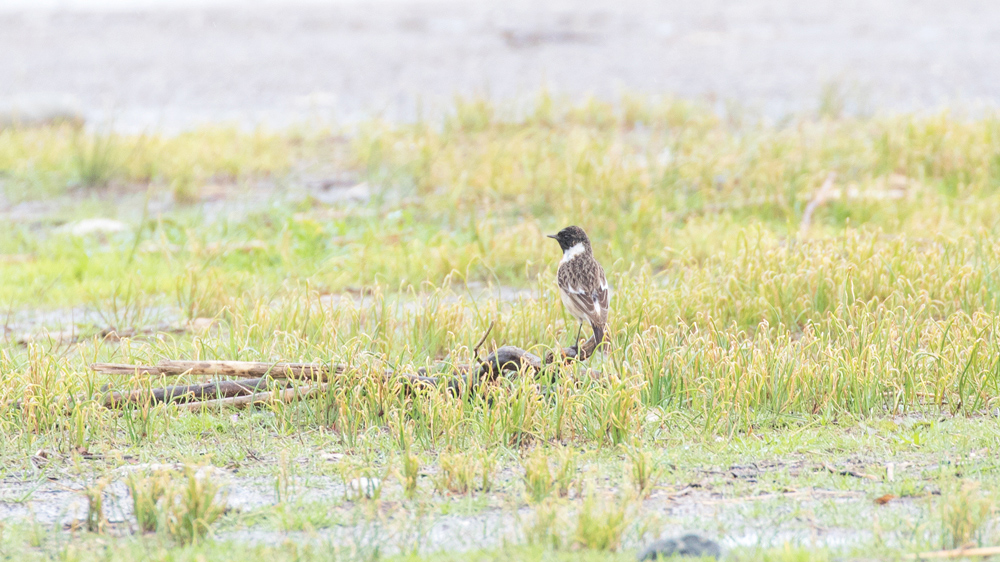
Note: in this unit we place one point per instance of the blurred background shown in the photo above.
(142, 65)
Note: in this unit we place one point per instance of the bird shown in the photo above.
(582, 283)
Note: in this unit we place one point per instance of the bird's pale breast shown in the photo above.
(572, 308)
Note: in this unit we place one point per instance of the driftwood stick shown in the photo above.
(238, 369)
(187, 393)
(238, 394)
(286, 395)
(249, 369)
(507, 358)
(577, 352)
(238, 388)
(504, 359)
(122, 369)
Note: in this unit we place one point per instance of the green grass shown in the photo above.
(48, 160)
(738, 335)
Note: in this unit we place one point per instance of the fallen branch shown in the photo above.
(504, 359)
(250, 369)
(187, 393)
(286, 395)
(238, 394)
(507, 358)
(510, 358)
(123, 369)
(239, 369)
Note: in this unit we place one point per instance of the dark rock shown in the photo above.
(687, 545)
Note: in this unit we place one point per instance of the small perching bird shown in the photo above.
(582, 284)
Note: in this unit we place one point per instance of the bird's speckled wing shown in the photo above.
(585, 293)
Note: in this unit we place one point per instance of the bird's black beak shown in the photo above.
(552, 236)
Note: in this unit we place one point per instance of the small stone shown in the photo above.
(364, 486)
(687, 545)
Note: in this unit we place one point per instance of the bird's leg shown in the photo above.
(576, 342)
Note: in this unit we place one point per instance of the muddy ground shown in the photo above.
(829, 516)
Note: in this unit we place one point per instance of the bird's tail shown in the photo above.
(598, 334)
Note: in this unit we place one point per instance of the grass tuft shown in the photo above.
(965, 510)
(184, 504)
(464, 473)
(600, 523)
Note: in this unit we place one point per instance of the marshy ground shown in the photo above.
(803, 358)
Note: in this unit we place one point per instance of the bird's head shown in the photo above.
(571, 236)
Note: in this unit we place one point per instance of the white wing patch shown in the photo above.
(574, 251)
